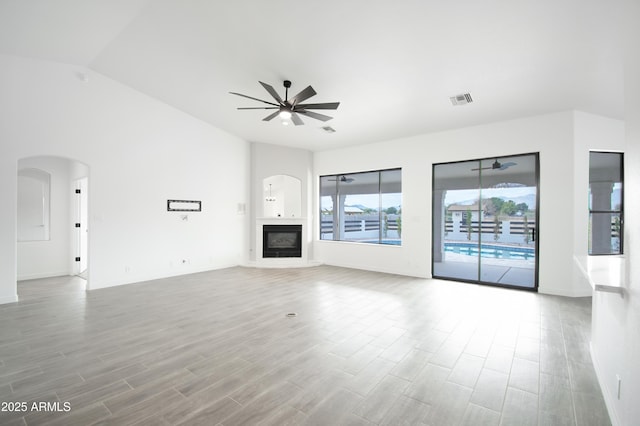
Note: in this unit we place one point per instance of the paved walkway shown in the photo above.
(501, 271)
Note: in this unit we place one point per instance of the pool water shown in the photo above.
(491, 251)
(384, 242)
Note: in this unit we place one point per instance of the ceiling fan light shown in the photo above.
(285, 115)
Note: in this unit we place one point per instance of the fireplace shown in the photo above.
(281, 241)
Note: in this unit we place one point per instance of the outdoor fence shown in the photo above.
(362, 225)
(515, 231)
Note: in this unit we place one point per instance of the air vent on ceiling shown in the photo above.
(328, 129)
(462, 99)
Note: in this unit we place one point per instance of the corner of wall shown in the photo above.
(6, 300)
(270, 160)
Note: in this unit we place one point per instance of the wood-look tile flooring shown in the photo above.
(365, 348)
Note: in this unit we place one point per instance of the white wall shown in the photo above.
(38, 259)
(140, 153)
(550, 135)
(615, 330)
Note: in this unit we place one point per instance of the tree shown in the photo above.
(497, 204)
(448, 215)
(522, 207)
(526, 231)
(469, 228)
(509, 208)
(385, 226)
(391, 210)
(496, 228)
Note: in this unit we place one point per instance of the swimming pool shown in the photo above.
(491, 251)
(383, 241)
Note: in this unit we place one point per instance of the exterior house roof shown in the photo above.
(352, 209)
(463, 207)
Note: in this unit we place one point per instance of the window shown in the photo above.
(605, 203)
(362, 207)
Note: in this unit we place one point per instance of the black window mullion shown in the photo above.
(379, 207)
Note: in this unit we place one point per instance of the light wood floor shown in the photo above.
(365, 348)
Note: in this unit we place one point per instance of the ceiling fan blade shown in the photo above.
(304, 95)
(296, 119)
(343, 178)
(273, 107)
(272, 92)
(271, 116)
(315, 115)
(255, 99)
(327, 105)
(505, 166)
(481, 168)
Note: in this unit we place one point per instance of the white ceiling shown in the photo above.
(392, 65)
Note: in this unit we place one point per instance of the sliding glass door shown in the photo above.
(484, 221)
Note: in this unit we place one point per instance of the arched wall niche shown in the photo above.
(282, 196)
(34, 202)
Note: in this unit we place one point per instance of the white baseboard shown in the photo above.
(43, 275)
(563, 292)
(5, 300)
(374, 269)
(280, 263)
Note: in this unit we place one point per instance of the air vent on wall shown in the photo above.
(462, 99)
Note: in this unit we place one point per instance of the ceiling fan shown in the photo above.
(497, 166)
(291, 108)
(343, 179)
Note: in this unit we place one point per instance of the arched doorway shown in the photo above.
(52, 218)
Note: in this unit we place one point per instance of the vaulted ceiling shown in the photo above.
(391, 65)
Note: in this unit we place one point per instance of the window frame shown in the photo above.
(336, 237)
(619, 212)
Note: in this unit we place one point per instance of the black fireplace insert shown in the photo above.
(282, 241)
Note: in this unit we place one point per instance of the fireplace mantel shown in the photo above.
(281, 220)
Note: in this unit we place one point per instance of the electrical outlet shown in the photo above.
(127, 269)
